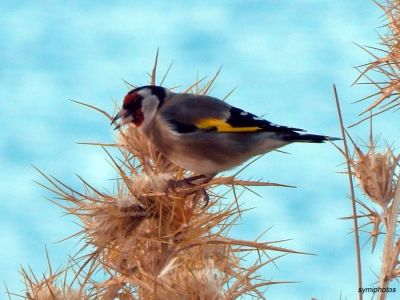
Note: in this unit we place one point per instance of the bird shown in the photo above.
(203, 134)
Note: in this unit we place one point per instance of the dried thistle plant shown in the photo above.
(52, 286)
(376, 171)
(157, 242)
(376, 174)
(384, 70)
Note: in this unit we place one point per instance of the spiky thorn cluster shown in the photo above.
(376, 175)
(54, 285)
(384, 70)
(375, 171)
(156, 242)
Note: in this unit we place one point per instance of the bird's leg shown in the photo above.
(203, 179)
(206, 198)
(189, 181)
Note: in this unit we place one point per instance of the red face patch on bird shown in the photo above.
(133, 106)
(131, 99)
(138, 118)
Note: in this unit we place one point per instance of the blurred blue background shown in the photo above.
(284, 57)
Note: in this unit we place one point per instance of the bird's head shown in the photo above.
(140, 105)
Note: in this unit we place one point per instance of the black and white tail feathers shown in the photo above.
(308, 138)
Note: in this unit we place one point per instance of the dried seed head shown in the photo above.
(47, 289)
(202, 280)
(210, 280)
(44, 291)
(375, 172)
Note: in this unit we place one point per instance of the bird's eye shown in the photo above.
(131, 99)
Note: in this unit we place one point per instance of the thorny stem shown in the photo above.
(353, 198)
(388, 251)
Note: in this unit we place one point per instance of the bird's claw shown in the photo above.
(173, 185)
(206, 198)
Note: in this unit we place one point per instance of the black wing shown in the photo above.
(191, 113)
(240, 118)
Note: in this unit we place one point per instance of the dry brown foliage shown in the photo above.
(383, 72)
(153, 241)
(376, 171)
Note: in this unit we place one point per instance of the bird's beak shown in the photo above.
(117, 116)
(125, 119)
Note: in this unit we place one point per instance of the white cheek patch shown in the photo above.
(144, 92)
(244, 113)
(149, 109)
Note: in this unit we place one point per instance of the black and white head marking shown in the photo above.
(153, 98)
(141, 104)
(148, 90)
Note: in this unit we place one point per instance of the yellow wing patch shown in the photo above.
(222, 126)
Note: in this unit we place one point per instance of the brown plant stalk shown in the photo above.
(352, 195)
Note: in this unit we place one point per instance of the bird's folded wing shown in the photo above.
(209, 114)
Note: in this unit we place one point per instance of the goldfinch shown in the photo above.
(203, 134)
